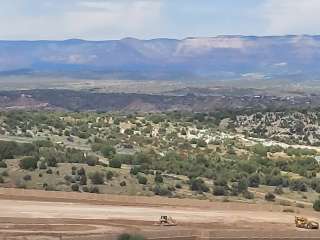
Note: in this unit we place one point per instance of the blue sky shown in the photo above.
(115, 19)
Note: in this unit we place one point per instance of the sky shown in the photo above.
(147, 19)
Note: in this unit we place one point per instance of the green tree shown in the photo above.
(108, 151)
(316, 205)
(28, 163)
(97, 177)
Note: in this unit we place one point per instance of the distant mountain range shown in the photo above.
(221, 57)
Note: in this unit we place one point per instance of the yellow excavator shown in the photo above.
(302, 222)
(166, 221)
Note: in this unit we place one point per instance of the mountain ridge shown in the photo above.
(222, 57)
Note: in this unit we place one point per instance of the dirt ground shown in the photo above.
(31, 214)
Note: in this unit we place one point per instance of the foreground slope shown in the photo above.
(37, 214)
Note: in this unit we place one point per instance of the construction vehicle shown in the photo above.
(302, 222)
(166, 221)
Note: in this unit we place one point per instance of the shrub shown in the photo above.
(298, 185)
(5, 174)
(115, 163)
(278, 190)
(97, 178)
(49, 171)
(198, 185)
(248, 195)
(75, 187)
(94, 189)
(92, 160)
(108, 151)
(81, 172)
(3, 164)
(123, 184)
(161, 191)
(269, 197)
(220, 191)
(28, 163)
(27, 177)
(142, 179)
(1, 179)
(109, 175)
(52, 161)
(42, 165)
(134, 170)
(254, 180)
(178, 185)
(85, 189)
(316, 205)
(158, 178)
(83, 180)
(243, 185)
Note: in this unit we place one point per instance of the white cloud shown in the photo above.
(89, 19)
(291, 16)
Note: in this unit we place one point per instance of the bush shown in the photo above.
(243, 185)
(75, 187)
(28, 163)
(248, 195)
(49, 171)
(108, 151)
(298, 185)
(52, 161)
(115, 163)
(135, 170)
(3, 164)
(161, 191)
(94, 189)
(27, 177)
(142, 179)
(278, 190)
(220, 191)
(269, 197)
(81, 172)
(254, 180)
(123, 184)
(97, 178)
(42, 165)
(316, 205)
(198, 185)
(91, 160)
(109, 175)
(1, 179)
(83, 180)
(158, 178)
(178, 185)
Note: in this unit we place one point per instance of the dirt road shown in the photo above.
(95, 218)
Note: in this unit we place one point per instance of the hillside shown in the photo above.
(221, 57)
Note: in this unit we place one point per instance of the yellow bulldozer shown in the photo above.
(302, 222)
(166, 221)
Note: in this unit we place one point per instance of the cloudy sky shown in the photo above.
(115, 19)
